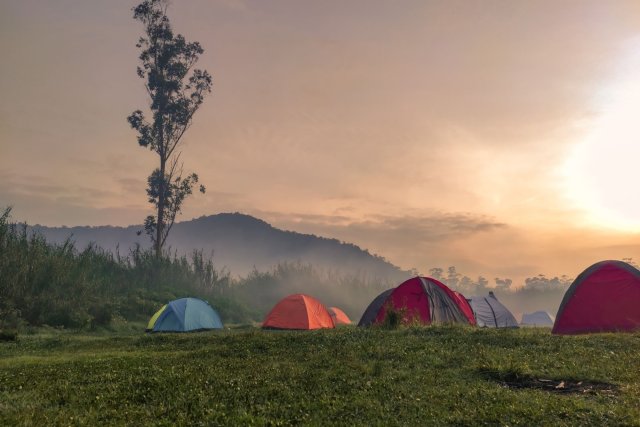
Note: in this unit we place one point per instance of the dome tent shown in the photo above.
(339, 317)
(185, 315)
(537, 318)
(371, 312)
(298, 311)
(490, 313)
(603, 298)
(424, 300)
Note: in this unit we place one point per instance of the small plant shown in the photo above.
(394, 318)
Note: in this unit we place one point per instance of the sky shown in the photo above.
(497, 136)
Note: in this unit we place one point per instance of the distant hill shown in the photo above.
(238, 242)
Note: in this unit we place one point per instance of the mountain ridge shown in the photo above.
(238, 242)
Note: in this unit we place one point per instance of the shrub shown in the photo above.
(6, 336)
(394, 318)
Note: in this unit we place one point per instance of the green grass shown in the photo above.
(415, 376)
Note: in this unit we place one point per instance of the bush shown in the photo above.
(101, 314)
(8, 336)
(394, 318)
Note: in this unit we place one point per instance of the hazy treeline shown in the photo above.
(481, 285)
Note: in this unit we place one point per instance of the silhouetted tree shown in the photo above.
(176, 91)
(453, 277)
(503, 284)
(466, 286)
(482, 283)
(436, 273)
(542, 283)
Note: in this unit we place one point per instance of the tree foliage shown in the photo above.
(176, 90)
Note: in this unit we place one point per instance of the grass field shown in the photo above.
(349, 376)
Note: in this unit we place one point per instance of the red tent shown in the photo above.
(339, 317)
(465, 307)
(603, 298)
(424, 300)
(298, 311)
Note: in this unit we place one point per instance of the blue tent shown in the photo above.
(184, 315)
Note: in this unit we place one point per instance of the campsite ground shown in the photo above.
(414, 376)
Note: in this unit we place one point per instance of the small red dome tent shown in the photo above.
(603, 298)
(423, 299)
(298, 311)
(339, 317)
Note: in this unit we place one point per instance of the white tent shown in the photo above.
(538, 318)
(490, 313)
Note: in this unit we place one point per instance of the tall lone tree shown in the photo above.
(176, 91)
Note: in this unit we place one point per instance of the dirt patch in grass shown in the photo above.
(517, 380)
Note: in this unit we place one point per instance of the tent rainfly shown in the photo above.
(603, 298)
(490, 313)
(339, 317)
(464, 305)
(298, 311)
(371, 312)
(185, 315)
(420, 299)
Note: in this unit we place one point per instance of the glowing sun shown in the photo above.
(604, 169)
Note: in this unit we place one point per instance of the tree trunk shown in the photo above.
(161, 202)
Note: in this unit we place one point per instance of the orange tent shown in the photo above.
(298, 311)
(339, 317)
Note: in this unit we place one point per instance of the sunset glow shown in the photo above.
(499, 137)
(604, 169)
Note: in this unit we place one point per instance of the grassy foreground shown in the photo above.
(415, 376)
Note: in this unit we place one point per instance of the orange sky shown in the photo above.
(496, 136)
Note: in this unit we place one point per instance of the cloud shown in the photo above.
(437, 226)
(32, 195)
(132, 186)
(235, 5)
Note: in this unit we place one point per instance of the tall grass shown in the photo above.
(62, 286)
